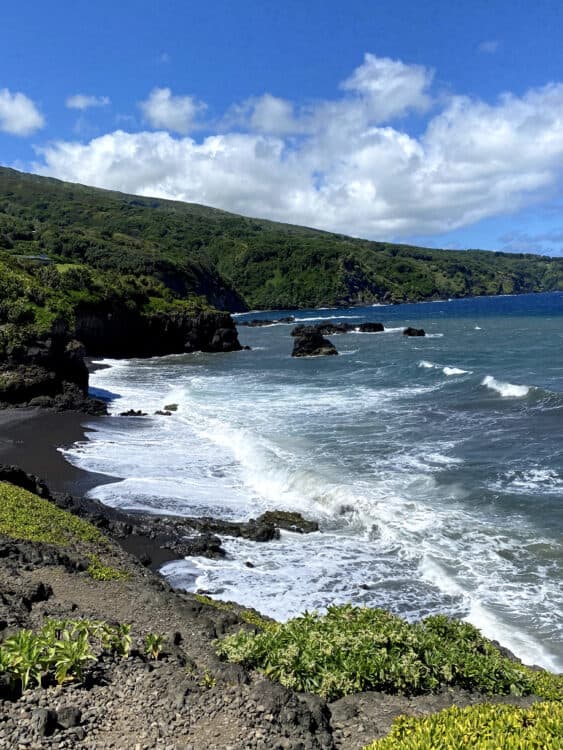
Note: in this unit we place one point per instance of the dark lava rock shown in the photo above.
(289, 521)
(162, 413)
(414, 331)
(20, 478)
(133, 413)
(257, 323)
(324, 329)
(171, 407)
(69, 716)
(333, 328)
(43, 721)
(312, 345)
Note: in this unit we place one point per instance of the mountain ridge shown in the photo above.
(237, 262)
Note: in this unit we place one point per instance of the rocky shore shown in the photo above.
(188, 698)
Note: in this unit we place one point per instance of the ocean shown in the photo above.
(433, 465)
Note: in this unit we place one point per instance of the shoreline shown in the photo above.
(32, 439)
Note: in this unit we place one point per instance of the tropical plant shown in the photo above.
(153, 645)
(28, 657)
(352, 649)
(481, 727)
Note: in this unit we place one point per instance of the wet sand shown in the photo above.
(30, 439)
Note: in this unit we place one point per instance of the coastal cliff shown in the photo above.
(48, 369)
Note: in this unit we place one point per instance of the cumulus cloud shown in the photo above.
(390, 87)
(84, 101)
(176, 113)
(18, 114)
(342, 165)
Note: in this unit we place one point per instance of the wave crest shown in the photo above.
(506, 390)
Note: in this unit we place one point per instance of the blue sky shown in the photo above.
(438, 122)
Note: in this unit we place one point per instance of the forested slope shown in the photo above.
(166, 251)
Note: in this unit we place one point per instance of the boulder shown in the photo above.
(324, 329)
(258, 323)
(289, 521)
(414, 331)
(312, 345)
(371, 327)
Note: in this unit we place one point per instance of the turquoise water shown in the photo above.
(434, 465)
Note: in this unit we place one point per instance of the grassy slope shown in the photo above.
(234, 261)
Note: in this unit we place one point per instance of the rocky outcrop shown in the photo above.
(289, 521)
(331, 328)
(370, 327)
(414, 331)
(48, 372)
(324, 329)
(118, 333)
(312, 345)
(258, 323)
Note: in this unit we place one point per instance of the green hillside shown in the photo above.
(63, 244)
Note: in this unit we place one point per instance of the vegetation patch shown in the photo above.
(352, 649)
(483, 727)
(100, 572)
(63, 649)
(27, 517)
(66, 247)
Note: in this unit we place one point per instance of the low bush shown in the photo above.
(352, 649)
(100, 572)
(482, 727)
(62, 650)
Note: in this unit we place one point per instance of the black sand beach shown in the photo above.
(31, 438)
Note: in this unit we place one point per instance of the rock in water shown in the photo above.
(414, 331)
(288, 520)
(371, 327)
(312, 345)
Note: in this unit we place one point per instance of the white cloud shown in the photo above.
(489, 47)
(177, 113)
(334, 165)
(390, 87)
(84, 101)
(18, 114)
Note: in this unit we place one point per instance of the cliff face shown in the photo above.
(51, 371)
(122, 334)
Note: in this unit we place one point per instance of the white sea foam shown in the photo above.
(535, 481)
(484, 617)
(506, 390)
(477, 328)
(448, 370)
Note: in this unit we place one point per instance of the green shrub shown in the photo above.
(153, 645)
(352, 649)
(60, 650)
(100, 572)
(483, 727)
